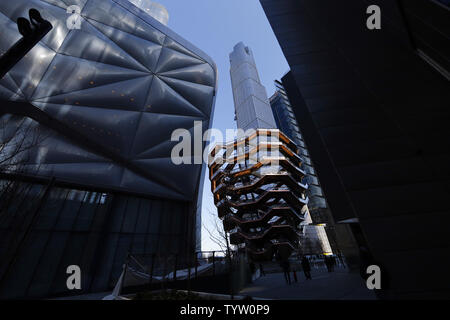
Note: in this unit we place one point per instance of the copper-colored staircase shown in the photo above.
(260, 196)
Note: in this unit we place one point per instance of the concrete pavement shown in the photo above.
(338, 285)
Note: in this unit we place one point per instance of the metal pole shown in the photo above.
(189, 275)
(163, 282)
(125, 266)
(196, 264)
(151, 270)
(214, 263)
(175, 269)
(231, 278)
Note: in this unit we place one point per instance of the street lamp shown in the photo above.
(33, 31)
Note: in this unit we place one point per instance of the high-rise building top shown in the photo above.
(250, 97)
(288, 124)
(373, 109)
(154, 9)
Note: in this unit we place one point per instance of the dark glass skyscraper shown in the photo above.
(287, 123)
(374, 110)
(86, 124)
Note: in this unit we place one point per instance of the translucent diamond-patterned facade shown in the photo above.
(105, 99)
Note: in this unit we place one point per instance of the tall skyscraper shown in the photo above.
(287, 123)
(319, 217)
(92, 111)
(250, 97)
(374, 112)
(263, 205)
(264, 210)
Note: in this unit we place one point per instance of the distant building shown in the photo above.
(317, 207)
(251, 104)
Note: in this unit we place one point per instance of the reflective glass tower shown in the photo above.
(156, 10)
(316, 239)
(92, 108)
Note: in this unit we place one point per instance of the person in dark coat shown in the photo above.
(328, 263)
(285, 265)
(261, 270)
(252, 268)
(332, 262)
(341, 260)
(294, 273)
(306, 267)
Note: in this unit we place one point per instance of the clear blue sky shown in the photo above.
(215, 26)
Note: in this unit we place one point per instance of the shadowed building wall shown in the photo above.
(99, 182)
(374, 108)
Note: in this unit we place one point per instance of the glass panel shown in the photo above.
(49, 212)
(132, 211)
(87, 210)
(48, 265)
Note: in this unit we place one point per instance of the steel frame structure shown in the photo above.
(258, 190)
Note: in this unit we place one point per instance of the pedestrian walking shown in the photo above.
(285, 265)
(306, 268)
(341, 259)
(295, 275)
(328, 263)
(261, 270)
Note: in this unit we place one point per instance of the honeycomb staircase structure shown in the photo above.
(258, 189)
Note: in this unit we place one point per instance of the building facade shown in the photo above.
(373, 106)
(87, 118)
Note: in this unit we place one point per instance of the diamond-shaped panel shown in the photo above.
(122, 83)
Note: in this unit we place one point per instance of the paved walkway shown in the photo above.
(88, 296)
(337, 285)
